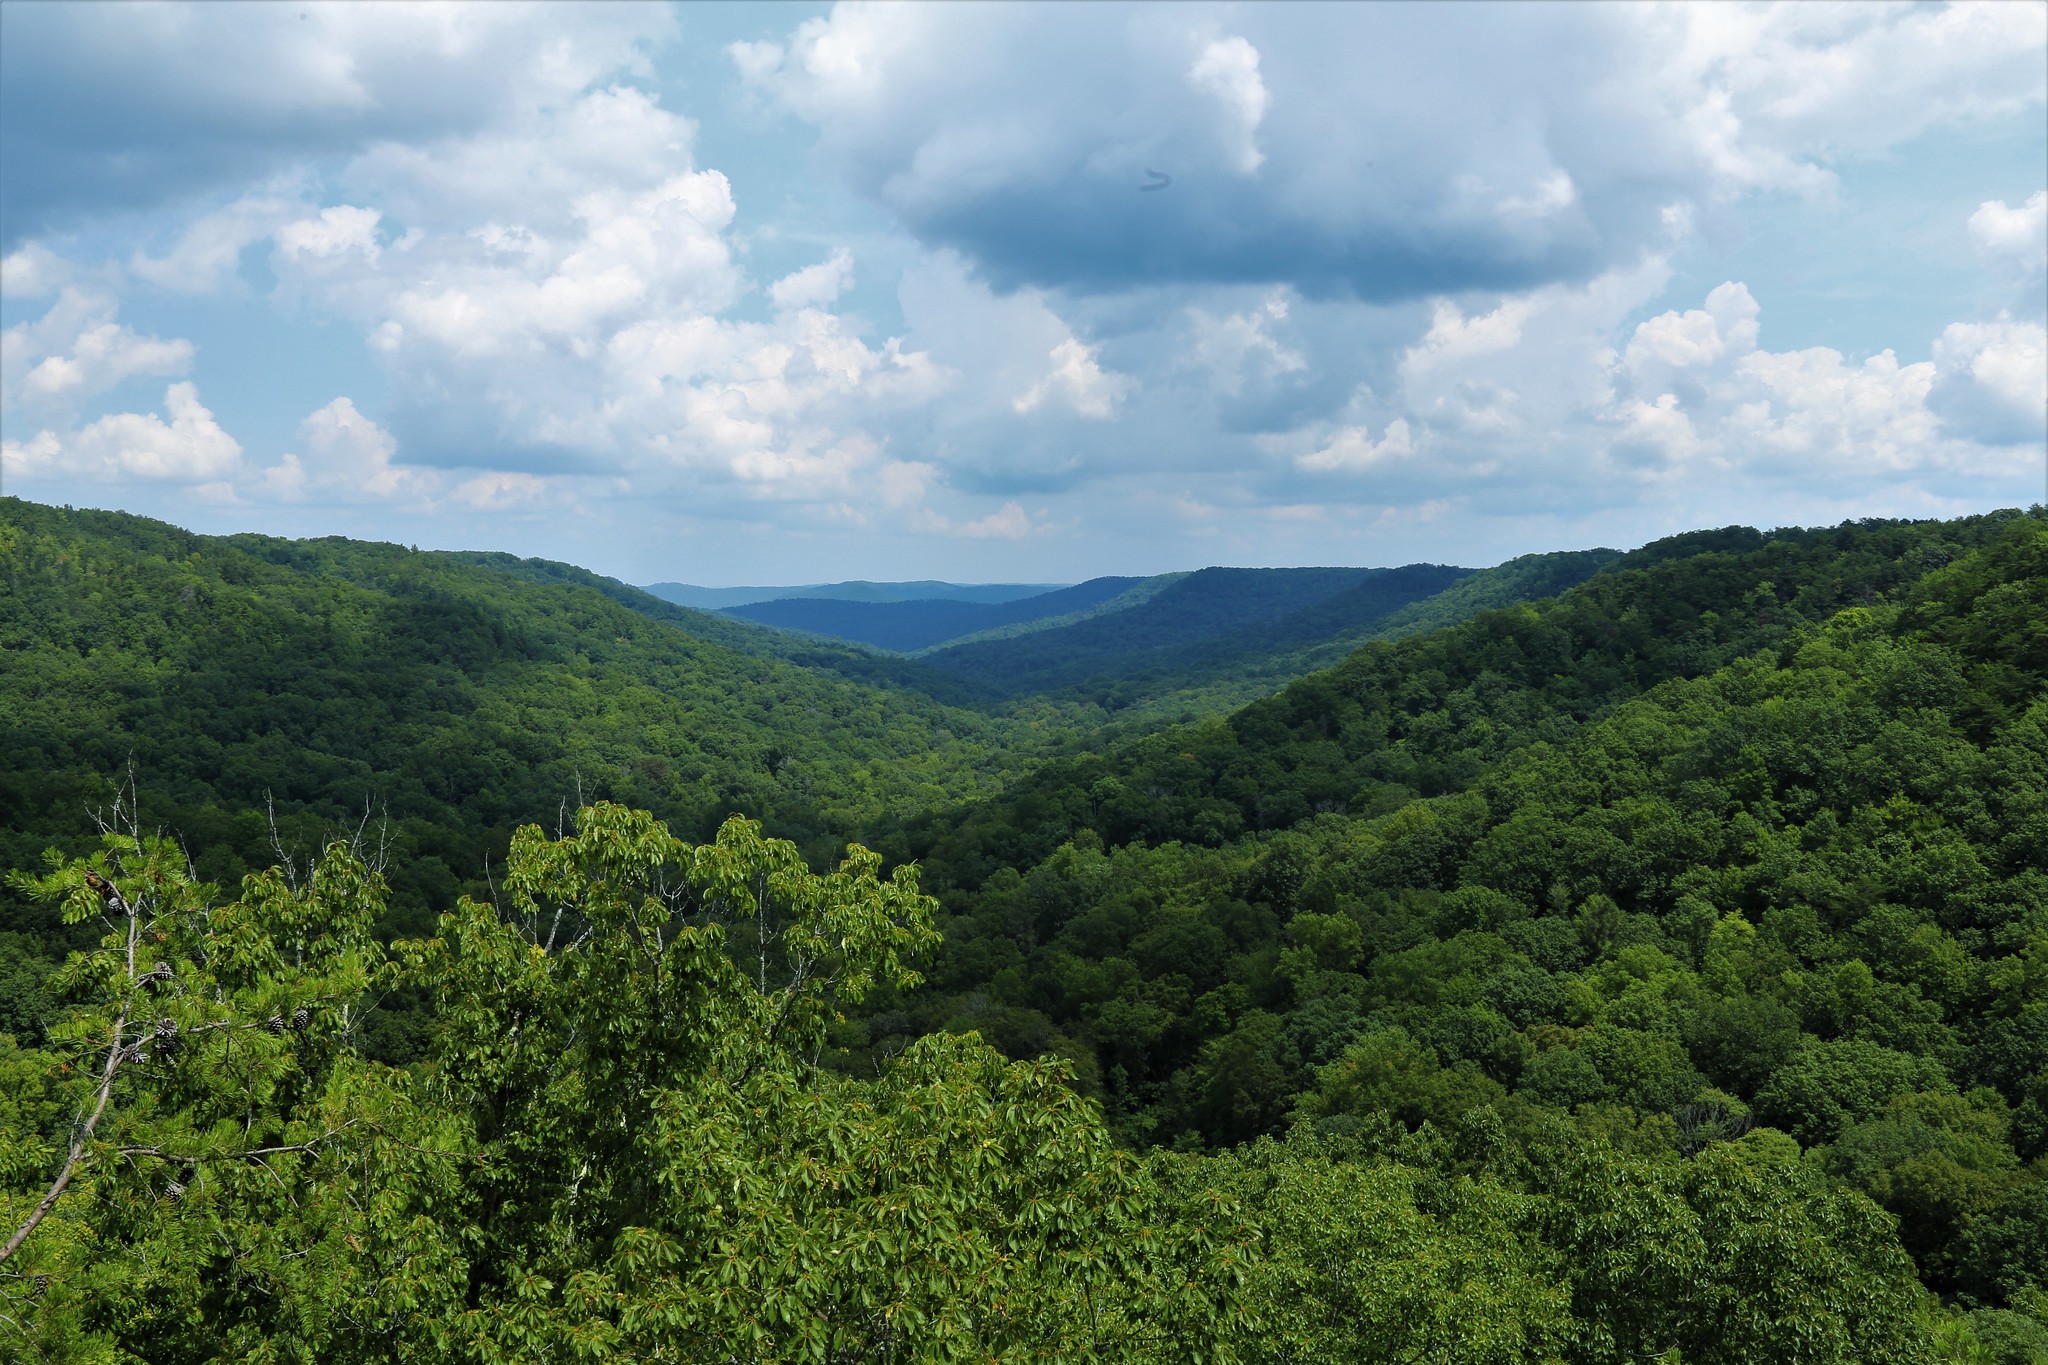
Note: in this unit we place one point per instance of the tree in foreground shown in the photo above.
(619, 1147)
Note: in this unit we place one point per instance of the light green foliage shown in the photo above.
(1367, 1259)
(1792, 1271)
(618, 1148)
(1739, 1254)
(223, 1145)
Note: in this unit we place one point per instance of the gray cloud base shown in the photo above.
(1398, 151)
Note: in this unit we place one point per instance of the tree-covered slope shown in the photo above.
(458, 694)
(847, 659)
(1752, 835)
(1216, 676)
(1190, 623)
(923, 623)
(1426, 713)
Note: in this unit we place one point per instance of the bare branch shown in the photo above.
(252, 1154)
(358, 848)
(284, 860)
(79, 1142)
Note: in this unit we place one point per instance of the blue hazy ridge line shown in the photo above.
(919, 624)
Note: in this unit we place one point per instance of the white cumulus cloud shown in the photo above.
(498, 490)
(132, 106)
(79, 349)
(1228, 71)
(208, 253)
(1387, 152)
(1078, 381)
(563, 281)
(1235, 347)
(1008, 522)
(2013, 241)
(1992, 381)
(32, 272)
(2016, 234)
(814, 286)
(346, 457)
(334, 231)
(190, 448)
(1352, 450)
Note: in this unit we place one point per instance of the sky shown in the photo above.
(787, 293)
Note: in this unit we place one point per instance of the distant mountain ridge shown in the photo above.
(1205, 637)
(1203, 619)
(852, 590)
(920, 624)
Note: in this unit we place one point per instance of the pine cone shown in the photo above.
(173, 1190)
(301, 1017)
(167, 1029)
(275, 1023)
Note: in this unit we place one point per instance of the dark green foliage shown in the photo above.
(452, 695)
(1428, 715)
(1745, 831)
(2005, 1251)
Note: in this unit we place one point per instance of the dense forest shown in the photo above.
(1602, 958)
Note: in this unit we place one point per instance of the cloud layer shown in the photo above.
(1415, 288)
(1377, 151)
(113, 107)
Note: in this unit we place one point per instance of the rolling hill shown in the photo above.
(1199, 621)
(458, 694)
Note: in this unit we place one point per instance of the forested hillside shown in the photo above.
(1625, 957)
(456, 694)
(459, 695)
(1754, 835)
(1200, 620)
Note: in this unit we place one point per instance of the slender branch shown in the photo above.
(285, 860)
(256, 1153)
(549, 946)
(78, 1143)
(111, 896)
(251, 1154)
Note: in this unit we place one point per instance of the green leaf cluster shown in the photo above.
(617, 1147)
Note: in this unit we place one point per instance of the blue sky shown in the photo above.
(785, 293)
